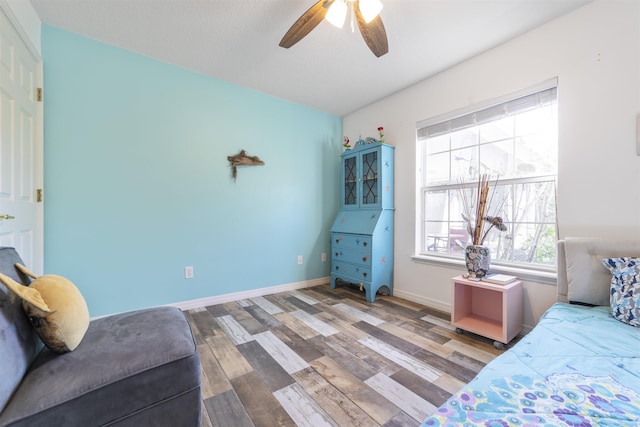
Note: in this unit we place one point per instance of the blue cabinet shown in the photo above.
(362, 233)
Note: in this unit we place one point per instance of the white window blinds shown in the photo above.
(539, 98)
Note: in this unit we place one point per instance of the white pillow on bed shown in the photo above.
(625, 289)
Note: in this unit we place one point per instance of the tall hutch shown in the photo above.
(362, 233)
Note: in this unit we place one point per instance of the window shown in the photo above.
(515, 142)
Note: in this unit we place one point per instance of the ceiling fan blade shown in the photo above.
(307, 22)
(373, 33)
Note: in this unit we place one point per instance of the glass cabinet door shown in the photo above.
(350, 182)
(370, 188)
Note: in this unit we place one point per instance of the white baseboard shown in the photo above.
(219, 299)
(429, 302)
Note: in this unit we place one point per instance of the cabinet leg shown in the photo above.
(459, 330)
(370, 295)
(498, 345)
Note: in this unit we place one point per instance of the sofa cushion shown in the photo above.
(585, 279)
(19, 343)
(56, 308)
(126, 364)
(625, 289)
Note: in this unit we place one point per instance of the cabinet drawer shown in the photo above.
(351, 241)
(357, 273)
(361, 257)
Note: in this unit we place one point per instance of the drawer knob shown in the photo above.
(364, 258)
(337, 254)
(364, 243)
(364, 274)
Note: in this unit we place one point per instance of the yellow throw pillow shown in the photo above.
(55, 307)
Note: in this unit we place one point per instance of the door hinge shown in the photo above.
(39, 195)
(39, 94)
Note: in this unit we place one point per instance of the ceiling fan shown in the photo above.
(366, 13)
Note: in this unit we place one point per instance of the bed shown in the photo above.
(579, 366)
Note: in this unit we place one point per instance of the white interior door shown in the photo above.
(21, 148)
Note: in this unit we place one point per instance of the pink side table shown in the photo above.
(492, 311)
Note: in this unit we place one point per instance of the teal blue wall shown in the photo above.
(138, 185)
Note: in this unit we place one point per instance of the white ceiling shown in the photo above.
(330, 70)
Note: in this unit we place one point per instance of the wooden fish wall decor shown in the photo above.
(242, 159)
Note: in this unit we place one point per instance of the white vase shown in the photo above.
(478, 260)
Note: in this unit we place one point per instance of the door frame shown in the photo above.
(37, 264)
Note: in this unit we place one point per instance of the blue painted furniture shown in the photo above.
(362, 233)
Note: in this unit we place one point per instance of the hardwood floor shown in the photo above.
(326, 357)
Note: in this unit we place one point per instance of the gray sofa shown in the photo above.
(133, 369)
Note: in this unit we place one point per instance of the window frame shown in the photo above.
(539, 272)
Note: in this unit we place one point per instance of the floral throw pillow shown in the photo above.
(625, 289)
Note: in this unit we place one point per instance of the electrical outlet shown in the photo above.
(324, 257)
(188, 272)
(299, 259)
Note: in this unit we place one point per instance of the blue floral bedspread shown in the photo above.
(579, 367)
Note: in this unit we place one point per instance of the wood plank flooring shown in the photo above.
(326, 357)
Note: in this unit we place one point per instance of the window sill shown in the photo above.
(547, 276)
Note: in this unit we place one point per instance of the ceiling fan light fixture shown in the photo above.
(337, 13)
(369, 9)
